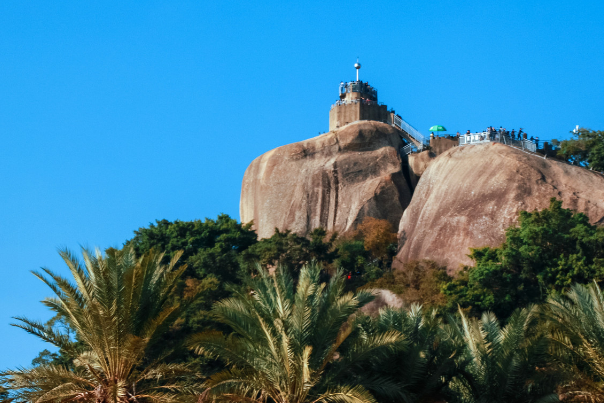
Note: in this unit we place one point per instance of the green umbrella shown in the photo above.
(438, 128)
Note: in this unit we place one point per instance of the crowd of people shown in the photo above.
(498, 134)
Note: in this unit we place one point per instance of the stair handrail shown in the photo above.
(410, 130)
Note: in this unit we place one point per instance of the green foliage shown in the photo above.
(586, 149)
(367, 254)
(290, 250)
(45, 357)
(547, 252)
(577, 321)
(418, 281)
(507, 363)
(287, 341)
(352, 256)
(119, 306)
(356, 261)
(210, 247)
(421, 370)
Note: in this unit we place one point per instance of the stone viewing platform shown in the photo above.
(358, 101)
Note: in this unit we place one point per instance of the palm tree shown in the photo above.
(577, 322)
(287, 341)
(118, 307)
(423, 369)
(505, 364)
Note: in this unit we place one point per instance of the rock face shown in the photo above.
(331, 181)
(417, 165)
(468, 196)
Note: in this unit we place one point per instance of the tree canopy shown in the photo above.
(209, 248)
(585, 149)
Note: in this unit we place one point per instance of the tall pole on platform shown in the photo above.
(357, 66)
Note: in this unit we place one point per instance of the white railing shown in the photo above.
(524, 144)
(399, 122)
(486, 137)
(476, 138)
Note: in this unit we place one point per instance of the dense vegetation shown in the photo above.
(278, 319)
(586, 148)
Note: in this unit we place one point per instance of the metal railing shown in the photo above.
(486, 137)
(399, 122)
(410, 148)
(522, 143)
(358, 86)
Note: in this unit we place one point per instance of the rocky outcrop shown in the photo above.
(419, 162)
(417, 165)
(468, 196)
(331, 181)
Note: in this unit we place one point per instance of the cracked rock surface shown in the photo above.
(331, 181)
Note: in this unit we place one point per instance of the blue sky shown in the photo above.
(114, 114)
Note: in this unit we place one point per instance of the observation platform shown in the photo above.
(495, 136)
(359, 101)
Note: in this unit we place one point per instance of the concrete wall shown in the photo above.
(439, 145)
(341, 115)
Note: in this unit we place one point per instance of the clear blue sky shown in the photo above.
(114, 114)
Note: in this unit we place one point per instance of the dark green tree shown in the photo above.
(547, 252)
(212, 250)
(210, 247)
(585, 149)
(352, 257)
(290, 250)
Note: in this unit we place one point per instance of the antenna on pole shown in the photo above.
(357, 66)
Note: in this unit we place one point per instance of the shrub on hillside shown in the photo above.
(419, 281)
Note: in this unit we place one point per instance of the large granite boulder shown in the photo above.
(331, 181)
(469, 195)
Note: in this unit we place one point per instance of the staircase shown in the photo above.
(410, 134)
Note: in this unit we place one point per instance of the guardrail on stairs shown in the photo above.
(412, 132)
